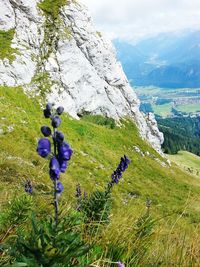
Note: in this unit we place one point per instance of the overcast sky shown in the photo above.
(136, 19)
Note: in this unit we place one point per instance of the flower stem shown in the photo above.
(55, 182)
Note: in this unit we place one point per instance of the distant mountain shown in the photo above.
(170, 60)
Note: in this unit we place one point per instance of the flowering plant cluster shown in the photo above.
(97, 206)
(117, 174)
(60, 154)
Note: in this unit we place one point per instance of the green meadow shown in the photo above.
(98, 145)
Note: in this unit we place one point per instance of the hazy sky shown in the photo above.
(135, 19)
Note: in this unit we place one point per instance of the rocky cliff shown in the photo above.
(56, 52)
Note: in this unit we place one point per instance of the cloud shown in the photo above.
(136, 19)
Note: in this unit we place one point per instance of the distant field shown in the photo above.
(189, 108)
(187, 161)
(162, 110)
(188, 96)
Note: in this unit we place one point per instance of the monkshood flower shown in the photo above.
(54, 169)
(28, 187)
(59, 188)
(59, 137)
(63, 165)
(49, 106)
(78, 191)
(123, 165)
(61, 153)
(44, 147)
(60, 110)
(47, 111)
(56, 121)
(117, 174)
(64, 151)
(120, 264)
(46, 131)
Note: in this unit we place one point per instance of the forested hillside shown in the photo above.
(181, 133)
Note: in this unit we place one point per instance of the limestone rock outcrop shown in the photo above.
(71, 62)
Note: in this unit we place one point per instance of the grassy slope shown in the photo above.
(187, 160)
(97, 151)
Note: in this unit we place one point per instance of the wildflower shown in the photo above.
(54, 169)
(56, 121)
(28, 187)
(60, 110)
(64, 151)
(59, 188)
(49, 106)
(47, 113)
(117, 174)
(63, 165)
(44, 147)
(120, 264)
(59, 137)
(78, 191)
(61, 153)
(46, 131)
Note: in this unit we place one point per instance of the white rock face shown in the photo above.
(82, 67)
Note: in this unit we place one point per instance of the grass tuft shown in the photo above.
(6, 51)
(52, 7)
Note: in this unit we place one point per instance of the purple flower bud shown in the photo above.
(46, 131)
(78, 191)
(120, 264)
(64, 151)
(59, 137)
(54, 167)
(28, 187)
(63, 165)
(127, 160)
(49, 106)
(60, 110)
(56, 121)
(44, 147)
(47, 113)
(59, 188)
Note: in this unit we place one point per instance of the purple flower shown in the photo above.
(63, 165)
(78, 191)
(54, 167)
(46, 131)
(124, 163)
(49, 106)
(60, 110)
(56, 121)
(117, 174)
(47, 113)
(28, 187)
(59, 188)
(120, 264)
(59, 137)
(44, 147)
(64, 151)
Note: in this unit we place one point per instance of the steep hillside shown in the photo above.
(52, 49)
(175, 195)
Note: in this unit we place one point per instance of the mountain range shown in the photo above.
(168, 60)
